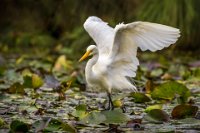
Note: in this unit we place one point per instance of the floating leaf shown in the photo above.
(1, 122)
(184, 111)
(94, 118)
(157, 116)
(196, 72)
(81, 111)
(140, 97)
(12, 77)
(27, 81)
(115, 117)
(157, 106)
(36, 81)
(107, 117)
(20, 60)
(62, 63)
(187, 121)
(169, 90)
(32, 81)
(19, 126)
(167, 76)
(53, 125)
(117, 103)
(157, 72)
(69, 128)
(149, 86)
(2, 70)
(16, 88)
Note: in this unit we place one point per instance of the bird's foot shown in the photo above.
(110, 103)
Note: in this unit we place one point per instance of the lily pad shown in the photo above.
(1, 122)
(117, 103)
(62, 63)
(53, 125)
(19, 126)
(140, 97)
(81, 111)
(106, 117)
(33, 81)
(184, 111)
(115, 117)
(16, 88)
(157, 72)
(94, 118)
(149, 86)
(157, 116)
(156, 106)
(36, 81)
(169, 90)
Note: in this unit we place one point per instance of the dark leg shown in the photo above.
(123, 109)
(110, 103)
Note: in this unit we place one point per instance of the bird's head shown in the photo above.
(91, 50)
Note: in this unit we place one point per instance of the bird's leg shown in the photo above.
(110, 103)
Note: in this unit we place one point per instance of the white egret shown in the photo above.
(114, 55)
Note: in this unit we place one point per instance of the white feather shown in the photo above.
(101, 33)
(117, 49)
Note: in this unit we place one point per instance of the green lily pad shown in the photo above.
(53, 125)
(94, 118)
(184, 111)
(1, 122)
(36, 81)
(140, 97)
(33, 81)
(115, 117)
(156, 106)
(117, 103)
(81, 111)
(27, 81)
(157, 72)
(19, 126)
(16, 88)
(107, 117)
(169, 90)
(157, 116)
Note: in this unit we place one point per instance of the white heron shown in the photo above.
(114, 55)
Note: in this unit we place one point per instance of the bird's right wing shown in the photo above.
(145, 35)
(101, 33)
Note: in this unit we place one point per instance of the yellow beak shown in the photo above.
(85, 56)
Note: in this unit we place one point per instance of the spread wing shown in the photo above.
(128, 37)
(101, 33)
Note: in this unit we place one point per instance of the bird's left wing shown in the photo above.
(101, 33)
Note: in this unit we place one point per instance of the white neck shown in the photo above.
(88, 69)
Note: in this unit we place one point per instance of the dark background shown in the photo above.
(55, 26)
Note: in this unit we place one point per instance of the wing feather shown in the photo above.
(118, 47)
(101, 33)
(128, 37)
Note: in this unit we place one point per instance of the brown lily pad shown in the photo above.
(183, 111)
